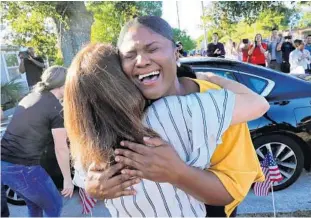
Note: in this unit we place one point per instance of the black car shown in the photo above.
(285, 130)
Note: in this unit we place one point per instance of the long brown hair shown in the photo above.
(101, 106)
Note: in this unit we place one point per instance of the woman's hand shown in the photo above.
(105, 184)
(67, 188)
(156, 160)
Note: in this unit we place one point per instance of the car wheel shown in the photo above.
(287, 154)
(12, 197)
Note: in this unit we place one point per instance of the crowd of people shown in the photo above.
(279, 53)
(141, 138)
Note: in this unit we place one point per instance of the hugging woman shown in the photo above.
(185, 132)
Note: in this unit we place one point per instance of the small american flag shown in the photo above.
(272, 174)
(88, 203)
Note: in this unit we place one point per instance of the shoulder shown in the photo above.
(206, 85)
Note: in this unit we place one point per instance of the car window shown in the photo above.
(223, 73)
(255, 83)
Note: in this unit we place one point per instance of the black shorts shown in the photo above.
(218, 211)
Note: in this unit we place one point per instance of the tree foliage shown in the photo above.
(238, 20)
(29, 22)
(248, 11)
(305, 18)
(181, 35)
(29, 25)
(110, 16)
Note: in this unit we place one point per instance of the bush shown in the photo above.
(10, 94)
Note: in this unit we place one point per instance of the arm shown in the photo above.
(22, 66)
(248, 104)
(38, 63)
(222, 49)
(164, 165)
(63, 159)
(279, 47)
(251, 50)
(262, 49)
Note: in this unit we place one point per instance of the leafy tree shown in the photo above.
(110, 16)
(248, 11)
(230, 20)
(305, 18)
(181, 35)
(28, 20)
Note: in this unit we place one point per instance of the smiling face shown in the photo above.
(149, 60)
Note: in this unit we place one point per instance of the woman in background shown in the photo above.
(36, 124)
(231, 50)
(257, 51)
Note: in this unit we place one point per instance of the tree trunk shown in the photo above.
(75, 31)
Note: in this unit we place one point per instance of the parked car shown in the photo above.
(285, 130)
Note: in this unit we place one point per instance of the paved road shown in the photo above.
(296, 197)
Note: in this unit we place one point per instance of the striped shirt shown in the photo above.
(193, 125)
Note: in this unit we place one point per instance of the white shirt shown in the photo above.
(193, 124)
(299, 61)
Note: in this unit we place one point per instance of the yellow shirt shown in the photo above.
(234, 161)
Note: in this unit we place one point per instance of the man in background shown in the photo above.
(299, 59)
(275, 53)
(308, 47)
(286, 47)
(180, 49)
(216, 49)
(32, 64)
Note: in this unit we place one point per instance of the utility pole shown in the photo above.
(177, 15)
(204, 27)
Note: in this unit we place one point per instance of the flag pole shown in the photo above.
(273, 204)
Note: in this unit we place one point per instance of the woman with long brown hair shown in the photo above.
(102, 107)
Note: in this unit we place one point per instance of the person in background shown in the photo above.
(308, 47)
(257, 51)
(243, 48)
(308, 43)
(299, 59)
(231, 50)
(215, 48)
(275, 53)
(38, 123)
(287, 47)
(32, 64)
(180, 49)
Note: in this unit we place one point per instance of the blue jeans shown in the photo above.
(36, 187)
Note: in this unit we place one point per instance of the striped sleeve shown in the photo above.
(211, 116)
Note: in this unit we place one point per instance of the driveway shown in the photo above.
(295, 197)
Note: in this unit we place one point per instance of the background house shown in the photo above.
(10, 70)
